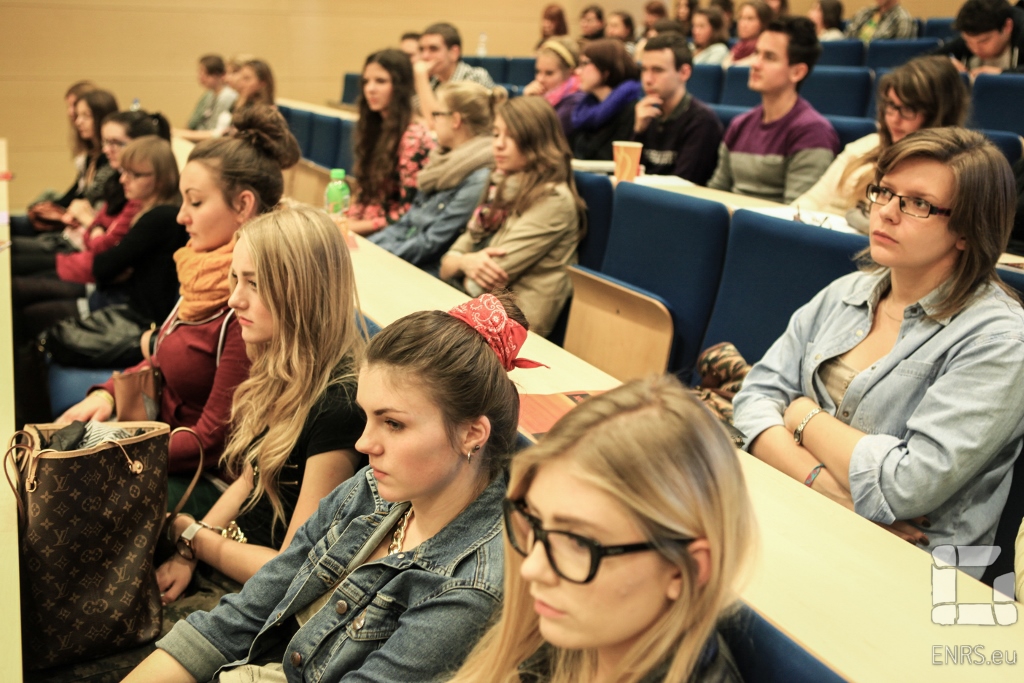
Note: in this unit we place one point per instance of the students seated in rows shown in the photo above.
(78, 205)
(441, 62)
(709, 36)
(139, 270)
(778, 149)
(886, 20)
(555, 78)
(451, 184)
(294, 420)
(895, 391)
(752, 19)
(390, 147)
(628, 528)
(926, 92)
(254, 83)
(199, 349)
(827, 16)
(217, 99)
(525, 233)
(398, 571)
(680, 134)
(608, 76)
(991, 38)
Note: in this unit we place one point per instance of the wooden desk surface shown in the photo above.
(390, 288)
(852, 594)
(10, 601)
(336, 112)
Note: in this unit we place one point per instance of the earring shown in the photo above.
(469, 456)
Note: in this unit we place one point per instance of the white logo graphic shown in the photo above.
(946, 610)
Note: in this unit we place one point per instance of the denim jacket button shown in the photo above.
(440, 207)
(818, 357)
(846, 413)
(358, 623)
(341, 607)
(859, 333)
(400, 556)
(296, 660)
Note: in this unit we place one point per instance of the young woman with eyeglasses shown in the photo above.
(926, 92)
(628, 528)
(390, 147)
(895, 391)
(608, 76)
(397, 573)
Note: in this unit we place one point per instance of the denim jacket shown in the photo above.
(942, 411)
(411, 616)
(424, 233)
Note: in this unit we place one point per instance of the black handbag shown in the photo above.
(107, 338)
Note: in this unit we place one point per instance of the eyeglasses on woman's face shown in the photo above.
(573, 557)
(912, 206)
(906, 113)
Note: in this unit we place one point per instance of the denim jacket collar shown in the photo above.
(869, 292)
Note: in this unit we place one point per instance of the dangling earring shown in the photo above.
(469, 456)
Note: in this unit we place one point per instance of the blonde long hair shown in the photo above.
(650, 446)
(304, 277)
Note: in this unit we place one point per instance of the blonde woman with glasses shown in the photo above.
(627, 529)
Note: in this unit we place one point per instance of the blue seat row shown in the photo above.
(325, 140)
(876, 54)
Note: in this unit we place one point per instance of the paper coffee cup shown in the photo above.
(627, 159)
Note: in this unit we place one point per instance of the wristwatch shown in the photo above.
(184, 545)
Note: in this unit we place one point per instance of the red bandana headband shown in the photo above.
(505, 336)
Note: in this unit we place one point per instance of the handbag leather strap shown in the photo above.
(195, 477)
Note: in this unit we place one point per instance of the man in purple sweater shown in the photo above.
(680, 133)
(780, 148)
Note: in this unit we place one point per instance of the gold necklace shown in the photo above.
(399, 536)
(886, 313)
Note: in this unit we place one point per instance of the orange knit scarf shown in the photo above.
(204, 281)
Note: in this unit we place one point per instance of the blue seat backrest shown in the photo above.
(850, 128)
(1013, 513)
(838, 90)
(841, 53)
(672, 245)
(301, 123)
(495, 66)
(1008, 143)
(706, 82)
(324, 140)
(998, 101)
(68, 386)
(939, 27)
(727, 112)
(513, 89)
(892, 53)
(773, 267)
(350, 87)
(345, 141)
(735, 90)
(596, 191)
(520, 70)
(472, 61)
(286, 112)
(763, 654)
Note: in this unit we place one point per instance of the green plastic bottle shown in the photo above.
(337, 196)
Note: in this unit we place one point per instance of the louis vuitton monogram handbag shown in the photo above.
(89, 522)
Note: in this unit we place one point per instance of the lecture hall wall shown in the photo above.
(147, 49)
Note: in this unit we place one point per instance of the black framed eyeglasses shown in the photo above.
(912, 206)
(575, 558)
(906, 113)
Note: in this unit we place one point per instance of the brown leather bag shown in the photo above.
(89, 521)
(137, 394)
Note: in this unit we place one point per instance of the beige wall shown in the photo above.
(148, 48)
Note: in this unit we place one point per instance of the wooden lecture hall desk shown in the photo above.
(10, 605)
(850, 593)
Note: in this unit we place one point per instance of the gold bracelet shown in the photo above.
(106, 395)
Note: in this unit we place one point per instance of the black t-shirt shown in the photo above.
(334, 423)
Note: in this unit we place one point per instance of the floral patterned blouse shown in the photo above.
(413, 149)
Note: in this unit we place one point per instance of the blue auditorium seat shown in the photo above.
(68, 386)
(841, 53)
(495, 66)
(850, 128)
(891, 53)
(345, 141)
(596, 191)
(941, 28)
(998, 102)
(735, 91)
(727, 112)
(301, 124)
(706, 83)
(286, 112)
(672, 246)
(520, 70)
(773, 267)
(325, 137)
(838, 90)
(350, 88)
(1008, 143)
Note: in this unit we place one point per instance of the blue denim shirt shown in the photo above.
(411, 616)
(424, 233)
(942, 411)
